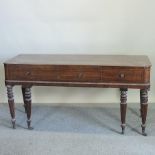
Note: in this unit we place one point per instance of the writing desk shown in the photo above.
(107, 71)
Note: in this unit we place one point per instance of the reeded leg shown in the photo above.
(27, 97)
(23, 92)
(123, 106)
(144, 107)
(11, 105)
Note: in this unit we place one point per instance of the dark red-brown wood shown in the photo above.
(106, 71)
(123, 108)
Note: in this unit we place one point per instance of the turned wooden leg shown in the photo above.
(123, 106)
(144, 107)
(27, 97)
(140, 103)
(23, 92)
(11, 104)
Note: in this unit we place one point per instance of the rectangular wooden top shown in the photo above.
(95, 60)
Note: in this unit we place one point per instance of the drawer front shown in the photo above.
(123, 75)
(54, 73)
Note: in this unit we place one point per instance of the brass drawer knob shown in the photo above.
(122, 75)
(28, 73)
(80, 75)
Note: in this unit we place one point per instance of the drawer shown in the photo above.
(78, 73)
(54, 73)
(123, 75)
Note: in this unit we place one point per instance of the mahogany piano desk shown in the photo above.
(107, 71)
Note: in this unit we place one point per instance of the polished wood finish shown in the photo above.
(11, 104)
(93, 60)
(106, 71)
(27, 98)
(123, 107)
(144, 107)
(23, 93)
